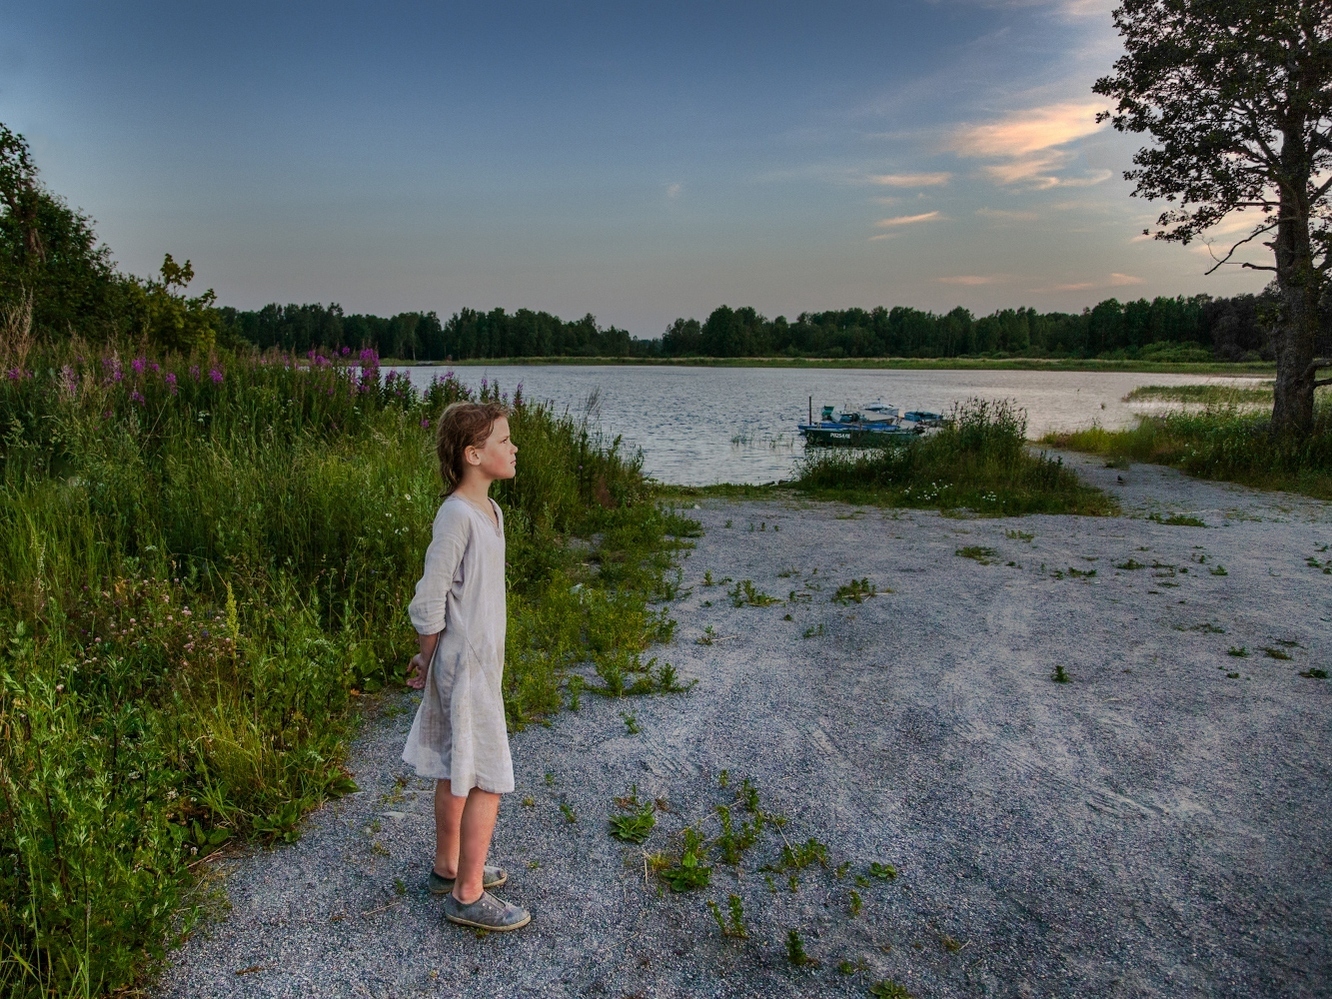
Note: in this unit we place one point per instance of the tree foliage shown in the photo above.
(61, 280)
(1237, 97)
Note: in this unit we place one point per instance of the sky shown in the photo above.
(638, 161)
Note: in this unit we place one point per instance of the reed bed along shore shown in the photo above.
(978, 462)
(1227, 440)
(206, 563)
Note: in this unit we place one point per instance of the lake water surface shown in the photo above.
(703, 425)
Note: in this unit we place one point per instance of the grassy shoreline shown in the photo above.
(1237, 369)
(1228, 443)
(206, 564)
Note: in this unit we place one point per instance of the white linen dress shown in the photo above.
(459, 733)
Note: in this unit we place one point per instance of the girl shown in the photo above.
(458, 737)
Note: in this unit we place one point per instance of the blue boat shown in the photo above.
(874, 425)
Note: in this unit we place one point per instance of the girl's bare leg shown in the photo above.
(448, 819)
(463, 827)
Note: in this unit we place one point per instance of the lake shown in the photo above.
(702, 425)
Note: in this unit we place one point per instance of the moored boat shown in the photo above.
(876, 424)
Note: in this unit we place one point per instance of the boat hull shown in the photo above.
(845, 436)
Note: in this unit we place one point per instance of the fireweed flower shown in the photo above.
(194, 372)
(69, 380)
(216, 375)
(139, 364)
(137, 396)
(170, 379)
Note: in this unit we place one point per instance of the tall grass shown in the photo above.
(1222, 442)
(206, 562)
(978, 461)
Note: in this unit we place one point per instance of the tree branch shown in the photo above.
(1316, 363)
(1249, 238)
(1321, 382)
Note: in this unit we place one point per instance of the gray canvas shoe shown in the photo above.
(492, 877)
(486, 913)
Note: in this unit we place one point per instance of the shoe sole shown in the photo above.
(482, 926)
(485, 887)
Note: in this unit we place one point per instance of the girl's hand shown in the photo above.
(416, 672)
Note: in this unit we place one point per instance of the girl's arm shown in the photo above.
(416, 672)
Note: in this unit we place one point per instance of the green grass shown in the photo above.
(203, 575)
(980, 462)
(1259, 393)
(1224, 443)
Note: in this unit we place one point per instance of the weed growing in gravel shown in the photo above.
(980, 553)
(856, 903)
(1176, 520)
(630, 723)
(884, 872)
(1314, 673)
(745, 594)
(800, 856)
(639, 823)
(1020, 536)
(1131, 565)
(1272, 653)
(734, 926)
(1060, 675)
(848, 967)
(857, 591)
(570, 816)
(889, 989)
(690, 870)
(1219, 570)
(707, 638)
(795, 951)
(575, 686)
(1238, 651)
(813, 631)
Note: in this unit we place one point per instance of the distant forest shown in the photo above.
(1168, 329)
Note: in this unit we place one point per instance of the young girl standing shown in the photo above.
(459, 737)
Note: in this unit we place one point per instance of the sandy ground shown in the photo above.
(1157, 826)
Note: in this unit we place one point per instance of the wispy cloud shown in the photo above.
(1025, 147)
(1006, 215)
(908, 179)
(1116, 280)
(898, 220)
(972, 280)
(673, 190)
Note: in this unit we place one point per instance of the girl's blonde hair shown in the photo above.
(462, 425)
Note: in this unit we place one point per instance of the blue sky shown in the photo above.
(639, 161)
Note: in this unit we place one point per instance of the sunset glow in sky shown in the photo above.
(637, 161)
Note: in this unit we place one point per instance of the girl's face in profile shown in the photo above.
(499, 457)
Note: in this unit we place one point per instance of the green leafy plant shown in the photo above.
(1177, 520)
(889, 989)
(981, 554)
(744, 594)
(1060, 675)
(733, 924)
(1273, 653)
(856, 903)
(857, 591)
(691, 870)
(570, 816)
(1314, 673)
(795, 951)
(884, 872)
(630, 723)
(1238, 651)
(636, 826)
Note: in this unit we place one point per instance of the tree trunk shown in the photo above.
(1299, 283)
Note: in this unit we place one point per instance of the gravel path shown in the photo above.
(1157, 826)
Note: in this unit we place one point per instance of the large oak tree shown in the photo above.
(1237, 95)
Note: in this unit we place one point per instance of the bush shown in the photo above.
(978, 461)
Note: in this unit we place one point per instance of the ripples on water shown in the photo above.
(699, 426)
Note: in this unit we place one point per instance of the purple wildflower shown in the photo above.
(170, 379)
(425, 422)
(139, 364)
(194, 372)
(137, 396)
(69, 380)
(216, 375)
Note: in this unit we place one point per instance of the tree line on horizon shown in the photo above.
(1195, 328)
